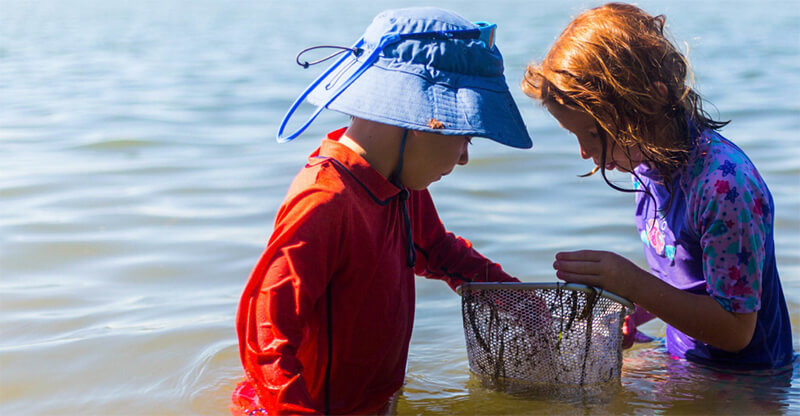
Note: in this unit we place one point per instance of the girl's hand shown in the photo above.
(603, 269)
(609, 271)
(631, 334)
(630, 330)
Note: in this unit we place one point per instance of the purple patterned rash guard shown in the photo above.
(717, 239)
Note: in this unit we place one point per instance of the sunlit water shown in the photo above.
(139, 178)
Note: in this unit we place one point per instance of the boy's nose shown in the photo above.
(464, 159)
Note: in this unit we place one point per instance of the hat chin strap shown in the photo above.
(411, 259)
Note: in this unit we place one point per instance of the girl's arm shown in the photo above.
(699, 316)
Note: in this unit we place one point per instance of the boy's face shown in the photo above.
(584, 128)
(429, 156)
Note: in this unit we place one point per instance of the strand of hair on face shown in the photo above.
(596, 168)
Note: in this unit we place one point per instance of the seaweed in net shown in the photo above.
(472, 300)
(588, 316)
(573, 311)
(542, 336)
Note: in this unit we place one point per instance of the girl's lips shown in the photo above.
(611, 166)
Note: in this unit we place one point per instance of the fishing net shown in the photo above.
(554, 334)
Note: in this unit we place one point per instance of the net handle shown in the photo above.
(546, 285)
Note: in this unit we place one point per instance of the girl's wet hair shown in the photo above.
(616, 64)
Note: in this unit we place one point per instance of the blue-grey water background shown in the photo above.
(139, 178)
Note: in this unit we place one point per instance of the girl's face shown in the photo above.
(584, 128)
(430, 156)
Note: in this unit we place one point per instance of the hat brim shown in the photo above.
(412, 101)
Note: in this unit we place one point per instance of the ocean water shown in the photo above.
(139, 178)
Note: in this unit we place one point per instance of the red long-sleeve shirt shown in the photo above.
(332, 293)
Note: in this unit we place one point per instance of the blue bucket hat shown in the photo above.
(425, 69)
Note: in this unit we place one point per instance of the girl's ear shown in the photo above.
(662, 90)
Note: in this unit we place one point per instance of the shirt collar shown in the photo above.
(380, 188)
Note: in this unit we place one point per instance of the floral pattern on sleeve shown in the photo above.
(732, 216)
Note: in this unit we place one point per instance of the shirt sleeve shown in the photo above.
(287, 281)
(443, 255)
(733, 218)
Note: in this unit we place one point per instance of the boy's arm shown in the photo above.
(273, 313)
(443, 255)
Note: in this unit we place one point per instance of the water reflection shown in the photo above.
(653, 380)
(567, 394)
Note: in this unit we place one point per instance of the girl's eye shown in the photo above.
(593, 134)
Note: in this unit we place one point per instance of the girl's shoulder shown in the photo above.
(722, 182)
(717, 162)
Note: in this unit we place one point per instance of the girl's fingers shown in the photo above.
(576, 266)
(577, 278)
(580, 255)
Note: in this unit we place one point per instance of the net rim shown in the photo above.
(547, 285)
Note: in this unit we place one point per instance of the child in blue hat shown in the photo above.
(325, 320)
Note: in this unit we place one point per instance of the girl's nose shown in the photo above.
(585, 154)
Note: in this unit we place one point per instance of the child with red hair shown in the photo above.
(704, 213)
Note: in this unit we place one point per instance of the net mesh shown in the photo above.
(553, 335)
